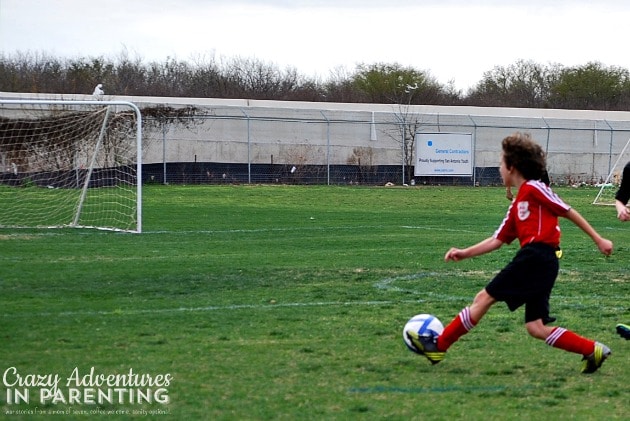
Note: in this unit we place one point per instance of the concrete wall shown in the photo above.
(581, 145)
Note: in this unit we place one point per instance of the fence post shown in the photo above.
(249, 147)
(327, 147)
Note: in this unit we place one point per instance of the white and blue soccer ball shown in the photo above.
(423, 325)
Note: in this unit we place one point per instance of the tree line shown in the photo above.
(524, 84)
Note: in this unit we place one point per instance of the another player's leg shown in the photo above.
(623, 330)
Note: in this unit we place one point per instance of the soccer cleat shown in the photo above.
(623, 330)
(427, 346)
(593, 361)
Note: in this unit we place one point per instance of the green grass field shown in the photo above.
(287, 302)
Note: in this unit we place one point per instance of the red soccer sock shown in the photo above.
(569, 341)
(461, 324)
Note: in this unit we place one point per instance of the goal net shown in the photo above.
(70, 164)
(608, 189)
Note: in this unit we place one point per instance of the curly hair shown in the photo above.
(520, 151)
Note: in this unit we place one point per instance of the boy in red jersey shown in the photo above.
(528, 279)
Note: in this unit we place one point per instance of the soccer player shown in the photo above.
(623, 195)
(528, 279)
(621, 203)
(510, 196)
(544, 178)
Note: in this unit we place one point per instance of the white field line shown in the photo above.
(387, 284)
(17, 234)
(121, 312)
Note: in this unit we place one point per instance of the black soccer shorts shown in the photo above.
(527, 280)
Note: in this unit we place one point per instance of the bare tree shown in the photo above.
(407, 124)
(592, 86)
(522, 84)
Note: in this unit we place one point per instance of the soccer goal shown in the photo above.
(608, 189)
(70, 164)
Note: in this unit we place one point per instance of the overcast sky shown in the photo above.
(454, 40)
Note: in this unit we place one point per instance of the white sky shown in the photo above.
(454, 40)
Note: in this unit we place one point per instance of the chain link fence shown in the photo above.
(313, 146)
(253, 141)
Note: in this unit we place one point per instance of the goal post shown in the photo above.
(71, 164)
(608, 189)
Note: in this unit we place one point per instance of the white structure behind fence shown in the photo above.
(581, 145)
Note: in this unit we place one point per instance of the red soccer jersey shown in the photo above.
(533, 216)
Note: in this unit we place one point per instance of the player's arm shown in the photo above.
(483, 247)
(623, 194)
(604, 245)
(623, 214)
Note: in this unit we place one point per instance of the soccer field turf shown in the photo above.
(288, 302)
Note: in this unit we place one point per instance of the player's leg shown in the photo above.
(537, 315)
(593, 353)
(538, 329)
(562, 338)
(506, 286)
(465, 320)
(435, 348)
(501, 288)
